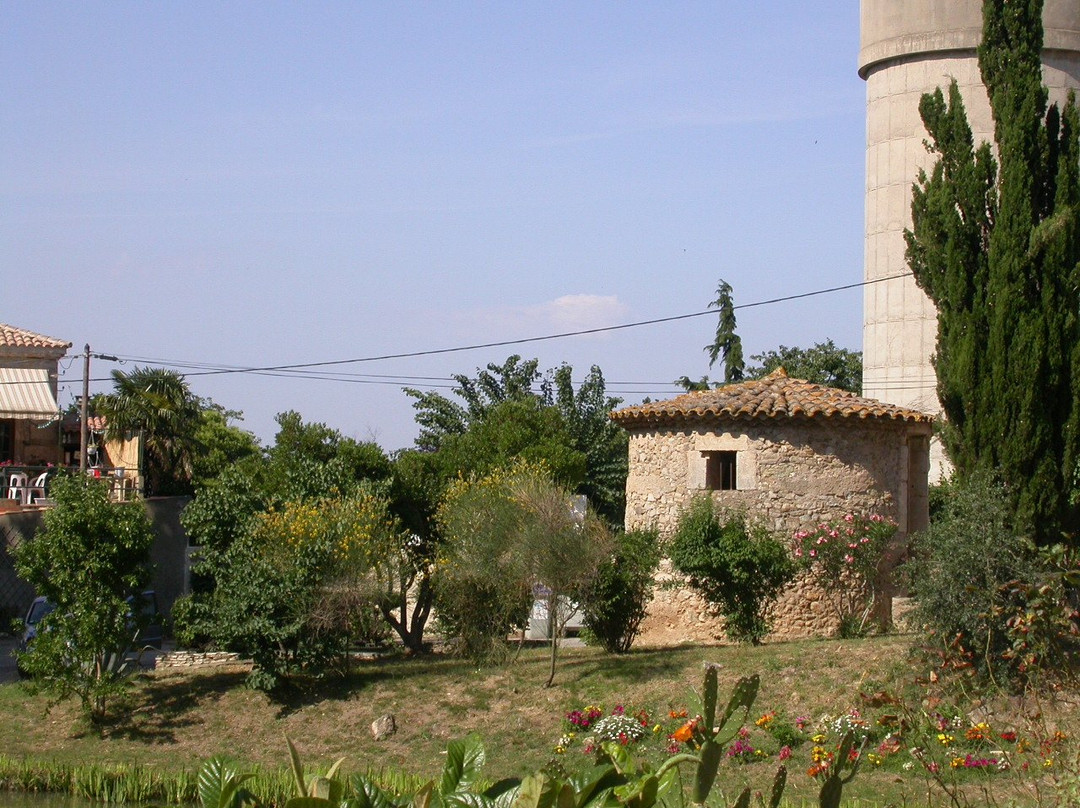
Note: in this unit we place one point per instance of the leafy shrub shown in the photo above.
(90, 556)
(614, 600)
(843, 558)
(959, 568)
(735, 564)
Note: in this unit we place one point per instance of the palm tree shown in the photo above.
(157, 404)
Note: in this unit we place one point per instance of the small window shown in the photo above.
(720, 470)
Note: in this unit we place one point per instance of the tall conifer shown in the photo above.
(995, 244)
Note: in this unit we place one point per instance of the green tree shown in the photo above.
(822, 363)
(734, 564)
(613, 601)
(222, 443)
(568, 426)
(510, 535)
(157, 405)
(726, 344)
(586, 415)
(439, 416)
(90, 556)
(995, 244)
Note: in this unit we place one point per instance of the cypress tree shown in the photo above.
(995, 244)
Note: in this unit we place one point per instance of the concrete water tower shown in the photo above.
(907, 48)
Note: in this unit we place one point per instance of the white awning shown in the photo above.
(25, 393)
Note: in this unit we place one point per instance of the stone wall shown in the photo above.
(791, 474)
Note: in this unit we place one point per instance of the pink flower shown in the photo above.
(813, 553)
(849, 518)
(848, 559)
(785, 753)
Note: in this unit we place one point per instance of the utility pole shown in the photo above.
(84, 407)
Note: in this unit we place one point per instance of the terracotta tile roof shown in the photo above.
(12, 337)
(775, 396)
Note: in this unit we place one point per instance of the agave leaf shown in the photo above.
(297, 769)
(676, 760)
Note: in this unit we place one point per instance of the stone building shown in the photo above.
(907, 49)
(792, 454)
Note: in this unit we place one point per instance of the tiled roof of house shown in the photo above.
(775, 396)
(12, 337)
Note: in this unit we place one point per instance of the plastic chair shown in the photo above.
(36, 489)
(18, 486)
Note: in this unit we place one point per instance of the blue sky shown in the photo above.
(256, 184)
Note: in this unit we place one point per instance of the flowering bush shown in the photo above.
(842, 558)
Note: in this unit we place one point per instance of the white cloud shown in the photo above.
(567, 313)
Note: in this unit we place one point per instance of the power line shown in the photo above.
(207, 369)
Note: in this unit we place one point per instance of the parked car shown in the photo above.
(143, 618)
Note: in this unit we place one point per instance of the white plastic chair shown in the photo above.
(36, 488)
(18, 486)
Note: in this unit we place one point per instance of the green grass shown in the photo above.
(170, 723)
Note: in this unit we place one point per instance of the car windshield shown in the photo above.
(38, 610)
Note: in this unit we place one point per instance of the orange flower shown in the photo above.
(684, 733)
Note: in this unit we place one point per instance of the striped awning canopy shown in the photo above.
(25, 393)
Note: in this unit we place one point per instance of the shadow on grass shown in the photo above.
(159, 706)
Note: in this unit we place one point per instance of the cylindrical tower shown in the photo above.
(910, 47)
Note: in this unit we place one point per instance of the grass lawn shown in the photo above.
(175, 721)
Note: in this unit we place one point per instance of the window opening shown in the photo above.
(720, 470)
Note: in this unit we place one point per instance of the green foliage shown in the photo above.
(822, 363)
(843, 558)
(727, 343)
(157, 404)
(89, 557)
(221, 786)
(516, 429)
(959, 565)
(613, 601)
(734, 564)
(513, 411)
(300, 583)
(507, 535)
(997, 252)
(586, 418)
(221, 443)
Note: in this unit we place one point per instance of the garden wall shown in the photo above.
(168, 554)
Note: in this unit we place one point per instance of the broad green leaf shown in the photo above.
(464, 759)
(309, 802)
(586, 783)
(368, 795)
